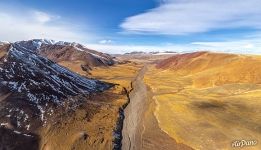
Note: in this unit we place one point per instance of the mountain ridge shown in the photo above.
(32, 87)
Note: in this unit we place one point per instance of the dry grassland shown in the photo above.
(209, 100)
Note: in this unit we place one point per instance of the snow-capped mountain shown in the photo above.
(66, 51)
(3, 42)
(32, 87)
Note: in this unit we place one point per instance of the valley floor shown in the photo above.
(209, 118)
(141, 130)
(167, 111)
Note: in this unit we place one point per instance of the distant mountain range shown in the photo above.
(152, 53)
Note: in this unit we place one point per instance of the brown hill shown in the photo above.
(71, 55)
(3, 50)
(46, 106)
(76, 52)
(210, 69)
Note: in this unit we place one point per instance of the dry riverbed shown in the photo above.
(140, 127)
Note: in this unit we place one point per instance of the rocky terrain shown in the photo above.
(36, 92)
(74, 54)
(60, 95)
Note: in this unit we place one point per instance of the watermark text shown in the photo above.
(243, 143)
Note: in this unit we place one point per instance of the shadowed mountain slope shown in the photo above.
(32, 86)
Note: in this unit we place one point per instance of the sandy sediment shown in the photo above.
(132, 126)
(140, 127)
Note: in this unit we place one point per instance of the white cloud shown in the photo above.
(42, 17)
(24, 24)
(120, 49)
(240, 47)
(105, 41)
(243, 45)
(177, 17)
(250, 46)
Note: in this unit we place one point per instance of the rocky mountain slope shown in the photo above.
(65, 52)
(34, 88)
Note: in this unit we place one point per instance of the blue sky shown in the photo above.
(118, 26)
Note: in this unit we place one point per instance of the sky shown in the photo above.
(119, 26)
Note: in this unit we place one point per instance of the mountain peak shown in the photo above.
(36, 86)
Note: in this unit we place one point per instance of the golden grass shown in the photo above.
(89, 127)
(69, 132)
(74, 66)
(212, 101)
(119, 74)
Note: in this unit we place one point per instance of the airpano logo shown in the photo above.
(243, 143)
